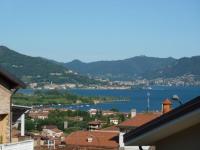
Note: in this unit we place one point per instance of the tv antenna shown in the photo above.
(176, 98)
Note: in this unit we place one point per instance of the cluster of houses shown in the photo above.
(39, 113)
(172, 129)
(169, 129)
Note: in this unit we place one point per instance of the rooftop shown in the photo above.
(103, 139)
(18, 110)
(56, 130)
(14, 82)
(112, 128)
(177, 119)
(139, 119)
(94, 122)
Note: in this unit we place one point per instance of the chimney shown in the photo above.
(166, 106)
(133, 113)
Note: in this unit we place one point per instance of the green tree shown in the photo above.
(29, 124)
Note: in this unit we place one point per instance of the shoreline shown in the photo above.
(75, 104)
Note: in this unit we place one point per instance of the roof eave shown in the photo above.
(184, 122)
(14, 80)
(167, 119)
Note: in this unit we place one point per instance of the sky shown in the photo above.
(92, 30)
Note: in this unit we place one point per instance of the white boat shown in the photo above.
(149, 88)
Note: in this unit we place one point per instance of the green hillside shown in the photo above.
(126, 69)
(138, 67)
(37, 69)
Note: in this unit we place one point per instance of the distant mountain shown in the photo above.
(138, 67)
(121, 69)
(37, 69)
(182, 66)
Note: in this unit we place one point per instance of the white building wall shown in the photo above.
(123, 147)
(22, 124)
(24, 145)
(135, 148)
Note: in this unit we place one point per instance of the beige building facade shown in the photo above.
(5, 113)
(8, 86)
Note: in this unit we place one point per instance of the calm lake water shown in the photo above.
(138, 98)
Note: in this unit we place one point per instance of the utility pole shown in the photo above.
(148, 101)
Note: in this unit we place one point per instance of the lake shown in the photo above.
(138, 98)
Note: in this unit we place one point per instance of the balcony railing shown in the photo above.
(24, 145)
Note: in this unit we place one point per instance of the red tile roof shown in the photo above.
(166, 121)
(100, 139)
(112, 128)
(139, 119)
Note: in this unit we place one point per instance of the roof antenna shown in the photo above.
(176, 98)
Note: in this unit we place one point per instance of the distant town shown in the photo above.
(185, 80)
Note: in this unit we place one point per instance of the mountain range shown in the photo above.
(138, 67)
(40, 70)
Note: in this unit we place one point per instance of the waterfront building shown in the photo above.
(92, 112)
(108, 112)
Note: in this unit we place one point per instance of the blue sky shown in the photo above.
(92, 30)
